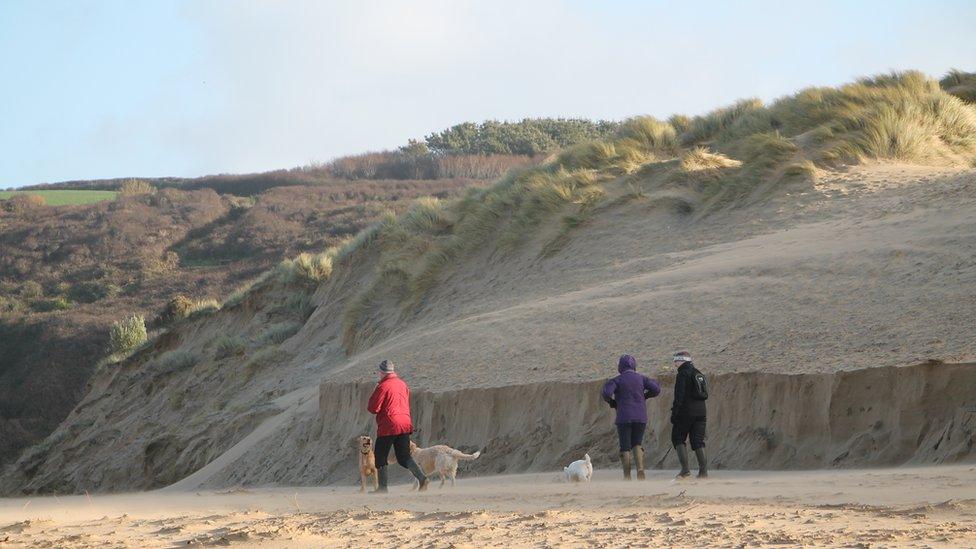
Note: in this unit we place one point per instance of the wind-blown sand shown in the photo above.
(921, 507)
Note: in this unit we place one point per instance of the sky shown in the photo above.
(102, 89)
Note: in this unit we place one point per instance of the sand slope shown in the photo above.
(870, 267)
(931, 507)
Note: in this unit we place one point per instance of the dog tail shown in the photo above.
(587, 458)
(462, 456)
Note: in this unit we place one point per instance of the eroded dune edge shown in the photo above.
(921, 414)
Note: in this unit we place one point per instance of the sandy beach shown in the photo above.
(906, 507)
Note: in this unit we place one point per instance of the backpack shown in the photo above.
(698, 386)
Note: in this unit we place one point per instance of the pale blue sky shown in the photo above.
(96, 89)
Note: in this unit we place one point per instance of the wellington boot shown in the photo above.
(638, 452)
(625, 464)
(702, 463)
(682, 451)
(381, 480)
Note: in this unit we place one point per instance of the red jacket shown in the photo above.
(390, 402)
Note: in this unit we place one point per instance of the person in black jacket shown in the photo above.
(688, 416)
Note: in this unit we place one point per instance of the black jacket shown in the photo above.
(685, 406)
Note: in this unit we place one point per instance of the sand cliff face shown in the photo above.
(807, 310)
(922, 414)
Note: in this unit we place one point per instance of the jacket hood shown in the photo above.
(625, 363)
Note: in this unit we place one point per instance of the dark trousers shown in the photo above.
(400, 445)
(630, 435)
(688, 426)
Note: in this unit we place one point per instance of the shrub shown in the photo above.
(173, 361)
(278, 333)
(133, 187)
(960, 84)
(24, 202)
(178, 308)
(227, 346)
(31, 290)
(126, 335)
(59, 303)
(10, 304)
(90, 292)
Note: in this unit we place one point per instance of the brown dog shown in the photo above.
(367, 463)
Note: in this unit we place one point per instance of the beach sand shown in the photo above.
(910, 507)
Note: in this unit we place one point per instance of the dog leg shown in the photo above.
(362, 482)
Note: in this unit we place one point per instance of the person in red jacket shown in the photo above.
(390, 403)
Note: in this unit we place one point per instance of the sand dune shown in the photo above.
(931, 507)
(867, 268)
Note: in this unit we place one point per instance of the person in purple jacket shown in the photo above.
(627, 393)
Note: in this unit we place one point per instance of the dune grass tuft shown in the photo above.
(699, 159)
(227, 346)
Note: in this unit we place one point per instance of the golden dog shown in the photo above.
(367, 463)
(440, 459)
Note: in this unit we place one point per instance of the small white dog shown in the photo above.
(580, 470)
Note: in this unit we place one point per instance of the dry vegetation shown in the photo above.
(68, 273)
(720, 158)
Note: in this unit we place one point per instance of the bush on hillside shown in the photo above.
(227, 346)
(960, 84)
(278, 333)
(22, 203)
(126, 334)
(174, 361)
(134, 187)
(59, 303)
(92, 291)
(31, 290)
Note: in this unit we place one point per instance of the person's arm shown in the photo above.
(679, 396)
(609, 388)
(651, 388)
(376, 400)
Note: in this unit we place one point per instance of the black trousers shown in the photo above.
(684, 427)
(400, 445)
(630, 435)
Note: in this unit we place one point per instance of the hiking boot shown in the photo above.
(625, 464)
(702, 462)
(638, 452)
(682, 451)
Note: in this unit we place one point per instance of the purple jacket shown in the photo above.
(629, 390)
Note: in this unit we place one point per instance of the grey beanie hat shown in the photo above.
(387, 367)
